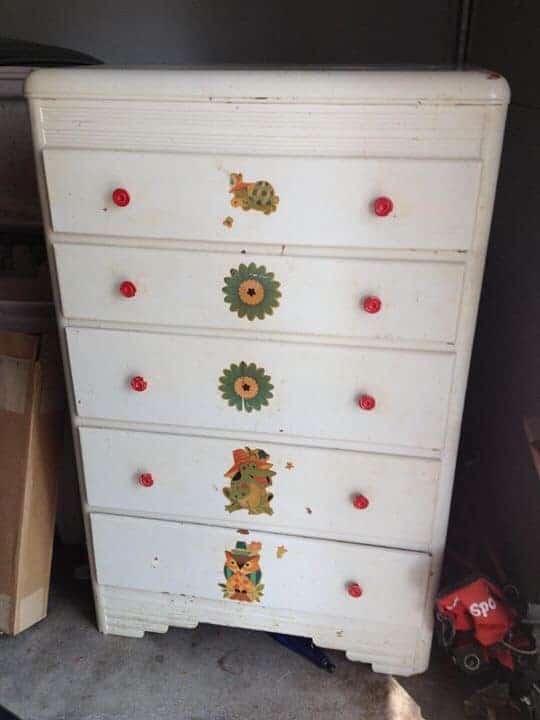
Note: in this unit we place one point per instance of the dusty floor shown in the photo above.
(63, 669)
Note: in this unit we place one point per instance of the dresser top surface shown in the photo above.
(287, 85)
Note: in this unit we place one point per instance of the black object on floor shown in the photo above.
(6, 715)
(305, 647)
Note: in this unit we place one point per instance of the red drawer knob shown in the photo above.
(138, 383)
(360, 502)
(382, 206)
(146, 480)
(120, 197)
(372, 304)
(354, 590)
(128, 289)
(366, 402)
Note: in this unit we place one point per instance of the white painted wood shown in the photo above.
(315, 392)
(406, 119)
(313, 489)
(312, 576)
(322, 201)
(340, 85)
(389, 647)
(319, 296)
(313, 130)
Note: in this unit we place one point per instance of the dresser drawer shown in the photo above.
(262, 386)
(303, 295)
(378, 499)
(322, 201)
(306, 575)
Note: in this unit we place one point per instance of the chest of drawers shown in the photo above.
(266, 285)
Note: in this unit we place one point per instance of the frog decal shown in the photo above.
(259, 195)
(250, 477)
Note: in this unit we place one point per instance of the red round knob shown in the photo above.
(382, 206)
(146, 480)
(366, 402)
(372, 304)
(360, 502)
(120, 197)
(354, 590)
(138, 383)
(128, 289)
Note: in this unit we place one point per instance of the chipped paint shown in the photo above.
(229, 221)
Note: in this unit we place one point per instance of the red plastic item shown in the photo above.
(372, 304)
(128, 289)
(354, 590)
(360, 502)
(366, 402)
(120, 197)
(382, 206)
(138, 383)
(146, 480)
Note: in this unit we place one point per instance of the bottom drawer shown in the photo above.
(271, 571)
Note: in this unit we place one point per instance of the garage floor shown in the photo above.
(63, 669)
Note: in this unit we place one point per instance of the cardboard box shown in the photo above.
(31, 441)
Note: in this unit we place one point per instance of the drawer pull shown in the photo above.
(366, 402)
(360, 502)
(128, 289)
(382, 206)
(146, 480)
(120, 197)
(354, 590)
(138, 383)
(372, 304)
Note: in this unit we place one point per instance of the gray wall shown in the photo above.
(207, 31)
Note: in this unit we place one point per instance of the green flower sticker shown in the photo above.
(251, 291)
(246, 387)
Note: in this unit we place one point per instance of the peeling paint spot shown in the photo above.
(309, 510)
(242, 252)
(283, 249)
(339, 633)
(280, 551)
(243, 531)
(155, 562)
(289, 465)
(229, 221)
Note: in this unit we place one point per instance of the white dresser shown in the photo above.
(267, 284)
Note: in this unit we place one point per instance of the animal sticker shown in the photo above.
(259, 195)
(242, 572)
(250, 477)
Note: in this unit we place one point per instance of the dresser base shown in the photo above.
(390, 649)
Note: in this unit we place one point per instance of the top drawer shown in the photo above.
(273, 200)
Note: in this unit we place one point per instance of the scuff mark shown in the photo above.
(309, 510)
(155, 561)
(243, 531)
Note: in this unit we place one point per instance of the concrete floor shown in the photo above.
(63, 669)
